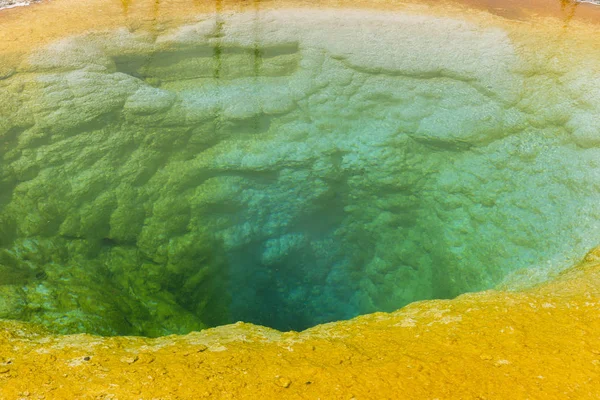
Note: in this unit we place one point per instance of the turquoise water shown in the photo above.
(283, 168)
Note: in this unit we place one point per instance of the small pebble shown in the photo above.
(283, 381)
(129, 360)
(201, 348)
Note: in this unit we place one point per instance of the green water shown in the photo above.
(283, 169)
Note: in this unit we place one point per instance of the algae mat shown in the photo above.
(537, 344)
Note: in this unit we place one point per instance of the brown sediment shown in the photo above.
(541, 343)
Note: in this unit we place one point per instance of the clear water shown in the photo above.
(286, 168)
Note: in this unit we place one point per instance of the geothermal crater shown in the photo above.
(287, 168)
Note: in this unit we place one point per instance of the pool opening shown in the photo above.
(286, 168)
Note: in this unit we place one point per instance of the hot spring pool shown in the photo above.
(290, 167)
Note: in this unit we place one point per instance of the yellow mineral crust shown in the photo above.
(538, 344)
